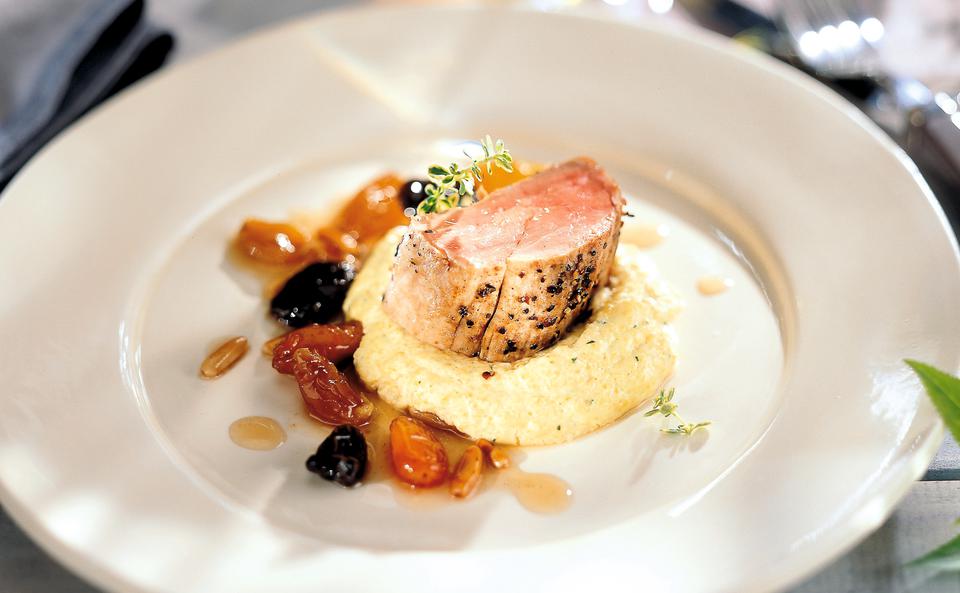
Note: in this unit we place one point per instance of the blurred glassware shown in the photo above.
(836, 37)
(900, 49)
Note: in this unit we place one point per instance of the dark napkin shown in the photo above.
(60, 58)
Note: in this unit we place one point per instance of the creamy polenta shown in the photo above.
(601, 370)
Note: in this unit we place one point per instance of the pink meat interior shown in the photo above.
(545, 215)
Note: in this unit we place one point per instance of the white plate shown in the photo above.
(116, 458)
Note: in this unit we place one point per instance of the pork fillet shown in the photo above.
(505, 277)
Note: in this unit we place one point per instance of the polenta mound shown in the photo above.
(606, 366)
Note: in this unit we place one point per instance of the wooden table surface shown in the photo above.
(923, 520)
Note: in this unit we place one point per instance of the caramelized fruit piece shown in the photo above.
(341, 457)
(498, 178)
(328, 246)
(418, 458)
(434, 421)
(313, 295)
(272, 242)
(466, 478)
(326, 393)
(225, 356)
(495, 455)
(372, 212)
(334, 341)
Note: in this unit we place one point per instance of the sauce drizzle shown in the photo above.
(539, 493)
(644, 235)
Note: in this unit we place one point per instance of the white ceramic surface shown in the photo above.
(116, 458)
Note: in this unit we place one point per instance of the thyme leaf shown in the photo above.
(665, 406)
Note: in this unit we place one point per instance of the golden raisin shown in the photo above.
(223, 357)
(334, 341)
(418, 458)
(270, 345)
(271, 242)
(469, 473)
(495, 455)
(329, 397)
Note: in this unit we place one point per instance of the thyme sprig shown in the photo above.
(665, 406)
(453, 186)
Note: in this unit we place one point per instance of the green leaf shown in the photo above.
(686, 429)
(944, 392)
(946, 557)
(454, 186)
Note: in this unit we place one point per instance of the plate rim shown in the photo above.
(92, 571)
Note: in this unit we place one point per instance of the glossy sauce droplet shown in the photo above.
(644, 235)
(540, 493)
(713, 285)
(258, 433)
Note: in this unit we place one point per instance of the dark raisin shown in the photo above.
(502, 330)
(469, 323)
(413, 192)
(313, 295)
(341, 457)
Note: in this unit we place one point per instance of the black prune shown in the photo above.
(413, 192)
(313, 295)
(341, 457)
